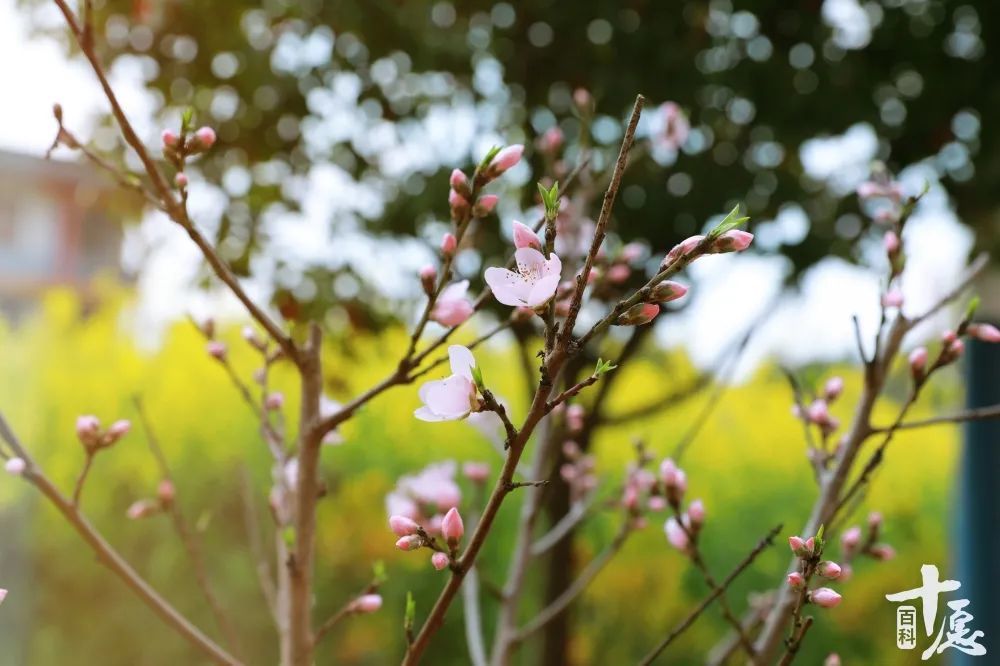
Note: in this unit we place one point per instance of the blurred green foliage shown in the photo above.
(747, 465)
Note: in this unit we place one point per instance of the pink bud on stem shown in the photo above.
(696, 512)
(169, 138)
(274, 401)
(452, 527)
(180, 179)
(476, 472)
(205, 137)
(428, 279)
(410, 542)
(667, 291)
(439, 561)
(366, 603)
(485, 205)
(15, 466)
(216, 349)
(734, 240)
(524, 236)
(984, 332)
(918, 362)
(638, 315)
(796, 580)
(828, 569)
(833, 388)
(505, 159)
(460, 183)
(88, 430)
(824, 597)
(448, 244)
(403, 526)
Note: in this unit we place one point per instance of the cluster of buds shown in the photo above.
(952, 348)
(177, 147)
(94, 438)
(810, 554)
(577, 471)
(853, 543)
(412, 536)
(146, 507)
(818, 411)
(733, 240)
(681, 533)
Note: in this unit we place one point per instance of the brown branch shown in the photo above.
(82, 478)
(110, 558)
(977, 414)
(717, 592)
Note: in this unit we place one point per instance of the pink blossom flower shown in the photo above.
(824, 597)
(367, 603)
(676, 126)
(15, 466)
(403, 526)
(984, 332)
(452, 307)
(892, 298)
(796, 580)
(676, 536)
(533, 285)
(828, 569)
(524, 236)
(439, 561)
(452, 527)
(505, 159)
(205, 137)
(454, 397)
(88, 430)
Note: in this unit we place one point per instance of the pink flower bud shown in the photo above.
(439, 561)
(403, 526)
(850, 539)
(676, 536)
(874, 519)
(657, 503)
(505, 159)
(216, 349)
(949, 337)
(428, 279)
(818, 412)
(181, 179)
(409, 542)
(452, 528)
(674, 480)
(117, 430)
(833, 388)
(367, 603)
(459, 181)
(891, 242)
(734, 240)
(274, 401)
(796, 580)
(166, 491)
(169, 138)
(88, 430)
(638, 315)
(141, 509)
(696, 512)
(448, 244)
(525, 237)
(832, 659)
(802, 547)
(485, 204)
(667, 291)
(457, 202)
(828, 569)
(892, 298)
(575, 415)
(984, 332)
(882, 551)
(582, 98)
(824, 597)
(477, 472)
(684, 248)
(552, 139)
(205, 137)
(918, 361)
(15, 466)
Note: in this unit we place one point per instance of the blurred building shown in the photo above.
(58, 227)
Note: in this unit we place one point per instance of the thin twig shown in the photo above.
(108, 556)
(716, 593)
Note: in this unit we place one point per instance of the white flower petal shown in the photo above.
(508, 287)
(462, 361)
(543, 290)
